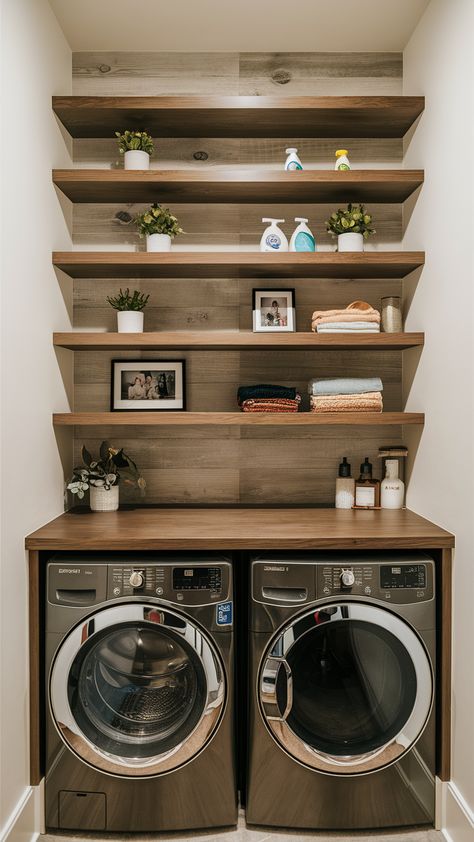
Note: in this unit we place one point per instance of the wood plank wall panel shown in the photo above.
(232, 465)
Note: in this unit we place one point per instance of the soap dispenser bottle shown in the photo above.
(342, 161)
(392, 489)
(302, 239)
(345, 486)
(273, 238)
(367, 489)
(292, 161)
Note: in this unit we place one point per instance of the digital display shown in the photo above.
(197, 579)
(403, 576)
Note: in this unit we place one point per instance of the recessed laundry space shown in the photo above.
(237, 414)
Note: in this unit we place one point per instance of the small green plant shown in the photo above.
(157, 220)
(128, 301)
(135, 141)
(353, 220)
(105, 471)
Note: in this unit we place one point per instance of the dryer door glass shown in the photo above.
(137, 690)
(352, 688)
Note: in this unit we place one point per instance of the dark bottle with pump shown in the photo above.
(367, 489)
(344, 486)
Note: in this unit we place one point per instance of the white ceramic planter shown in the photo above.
(102, 500)
(350, 242)
(136, 159)
(130, 321)
(158, 242)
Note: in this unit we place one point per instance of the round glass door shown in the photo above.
(131, 685)
(347, 689)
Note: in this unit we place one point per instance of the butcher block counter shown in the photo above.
(237, 530)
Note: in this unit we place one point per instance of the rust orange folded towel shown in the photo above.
(271, 404)
(365, 402)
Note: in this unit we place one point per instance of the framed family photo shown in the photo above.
(273, 310)
(153, 385)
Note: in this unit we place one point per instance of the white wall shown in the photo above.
(36, 62)
(438, 64)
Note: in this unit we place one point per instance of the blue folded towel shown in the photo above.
(345, 386)
(264, 390)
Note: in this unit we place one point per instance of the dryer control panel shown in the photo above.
(188, 583)
(399, 582)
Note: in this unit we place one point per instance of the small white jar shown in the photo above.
(350, 242)
(136, 159)
(130, 321)
(103, 500)
(158, 242)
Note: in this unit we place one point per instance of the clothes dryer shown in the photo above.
(139, 684)
(342, 707)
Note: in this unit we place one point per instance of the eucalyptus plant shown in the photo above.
(353, 220)
(134, 141)
(105, 472)
(157, 220)
(125, 300)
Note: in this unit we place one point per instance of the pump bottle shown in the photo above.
(292, 161)
(273, 238)
(344, 486)
(392, 489)
(302, 239)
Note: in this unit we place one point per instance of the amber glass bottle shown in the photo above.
(367, 489)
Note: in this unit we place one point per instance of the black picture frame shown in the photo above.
(290, 293)
(117, 366)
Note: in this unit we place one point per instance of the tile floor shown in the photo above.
(252, 834)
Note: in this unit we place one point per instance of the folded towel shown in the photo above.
(271, 405)
(356, 309)
(345, 316)
(366, 402)
(348, 327)
(263, 390)
(345, 386)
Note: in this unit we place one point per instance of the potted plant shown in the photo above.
(136, 147)
(102, 477)
(351, 227)
(158, 225)
(129, 308)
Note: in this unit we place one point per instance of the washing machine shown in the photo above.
(139, 660)
(342, 716)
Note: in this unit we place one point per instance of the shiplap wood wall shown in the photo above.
(229, 465)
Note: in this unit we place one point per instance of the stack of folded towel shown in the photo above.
(346, 394)
(266, 398)
(358, 317)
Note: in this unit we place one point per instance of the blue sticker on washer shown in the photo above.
(224, 614)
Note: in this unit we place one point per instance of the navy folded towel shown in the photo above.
(263, 390)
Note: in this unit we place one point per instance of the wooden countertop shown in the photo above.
(238, 529)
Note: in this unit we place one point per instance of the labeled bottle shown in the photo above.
(273, 238)
(342, 161)
(392, 489)
(345, 486)
(292, 161)
(302, 239)
(367, 489)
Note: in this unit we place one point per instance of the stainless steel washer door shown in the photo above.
(347, 688)
(136, 690)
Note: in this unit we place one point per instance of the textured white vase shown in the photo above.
(158, 242)
(130, 321)
(102, 500)
(350, 242)
(136, 159)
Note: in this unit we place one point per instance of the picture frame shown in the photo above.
(148, 386)
(273, 310)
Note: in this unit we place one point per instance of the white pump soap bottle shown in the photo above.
(302, 239)
(292, 161)
(273, 238)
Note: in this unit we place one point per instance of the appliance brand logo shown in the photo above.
(69, 570)
(270, 568)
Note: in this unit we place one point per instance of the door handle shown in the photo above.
(268, 688)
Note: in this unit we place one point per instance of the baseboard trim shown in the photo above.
(22, 821)
(458, 816)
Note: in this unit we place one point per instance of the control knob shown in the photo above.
(347, 578)
(137, 579)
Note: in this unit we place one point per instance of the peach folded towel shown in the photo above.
(353, 313)
(364, 402)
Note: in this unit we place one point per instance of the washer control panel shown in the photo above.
(188, 583)
(399, 581)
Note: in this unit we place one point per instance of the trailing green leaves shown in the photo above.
(105, 471)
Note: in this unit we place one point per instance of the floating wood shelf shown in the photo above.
(179, 264)
(237, 186)
(240, 116)
(235, 419)
(235, 340)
